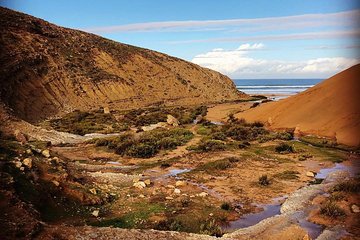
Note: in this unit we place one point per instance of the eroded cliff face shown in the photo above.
(49, 70)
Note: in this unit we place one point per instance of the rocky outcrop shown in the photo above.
(48, 70)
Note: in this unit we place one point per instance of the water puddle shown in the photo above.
(269, 210)
(314, 230)
(352, 170)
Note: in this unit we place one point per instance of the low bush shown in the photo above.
(264, 180)
(288, 175)
(211, 228)
(284, 148)
(330, 209)
(209, 146)
(225, 206)
(349, 186)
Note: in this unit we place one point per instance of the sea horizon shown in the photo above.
(274, 88)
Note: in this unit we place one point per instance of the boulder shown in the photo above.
(93, 191)
(28, 162)
(180, 183)
(139, 185)
(202, 194)
(46, 153)
(310, 174)
(20, 137)
(172, 121)
(355, 208)
(95, 213)
(106, 110)
(147, 182)
(177, 191)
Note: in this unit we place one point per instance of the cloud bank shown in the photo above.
(239, 64)
(346, 18)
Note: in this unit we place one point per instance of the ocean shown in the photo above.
(274, 88)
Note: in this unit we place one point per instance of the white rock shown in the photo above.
(139, 185)
(170, 186)
(46, 153)
(106, 110)
(95, 213)
(177, 191)
(169, 198)
(93, 191)
(28, 162)
(355, 208)
(56, 183)
(18, 164)
(28, 151)
(202, 194)
(172, 121)
(147, 182)
(310, 174)
(141, 196)
(22, 169)
(180, 183)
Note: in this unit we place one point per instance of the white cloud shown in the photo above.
(355, 33)
(346, 18)
(238, 64)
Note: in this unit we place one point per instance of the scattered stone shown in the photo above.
(169, 198)
(192, 196)
(355, 208)
(180, 183)
(46, 153)
(106, 110)
(135, 180)
(93, 191)
(177, 191)
(306, 237)
(18, 164)
(170, 186)
(154, 126)
(56, 183)
(147, 182)
(211, 214)
(310, 174)
(172, 121)
(28, 162)
(299, 165)
(139, 185)
(28, 151)
(198, 119)
(141, 196)
(202, 194)
(22, 169)
(20, 137)
(95, 213)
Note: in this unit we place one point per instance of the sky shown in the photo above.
(244, 39)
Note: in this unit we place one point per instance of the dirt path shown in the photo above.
(220, 112)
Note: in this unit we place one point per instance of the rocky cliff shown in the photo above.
(47, 70)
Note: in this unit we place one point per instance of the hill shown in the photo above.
(49, 70)
(330, 109)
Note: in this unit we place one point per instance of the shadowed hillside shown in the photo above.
(49, 70)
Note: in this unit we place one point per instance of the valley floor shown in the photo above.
(204, 180)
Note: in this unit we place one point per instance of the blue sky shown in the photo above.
(243, 39)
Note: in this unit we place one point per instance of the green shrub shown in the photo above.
(142, 150)
(210, 145)
(211, 228)
(288, 175)
(350, 186)
(284, 148)
(225, 206)
(264, 180)
(330, 209)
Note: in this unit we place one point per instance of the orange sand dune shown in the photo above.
(331, 109)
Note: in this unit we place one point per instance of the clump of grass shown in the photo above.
(209, 145)
(79, 122)
(332, 210)
(264, 180)
(337, 196)
(349, 186)
(225, 206)
(211, 228)
(288, 175)
(284, 148)
(148, 144)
